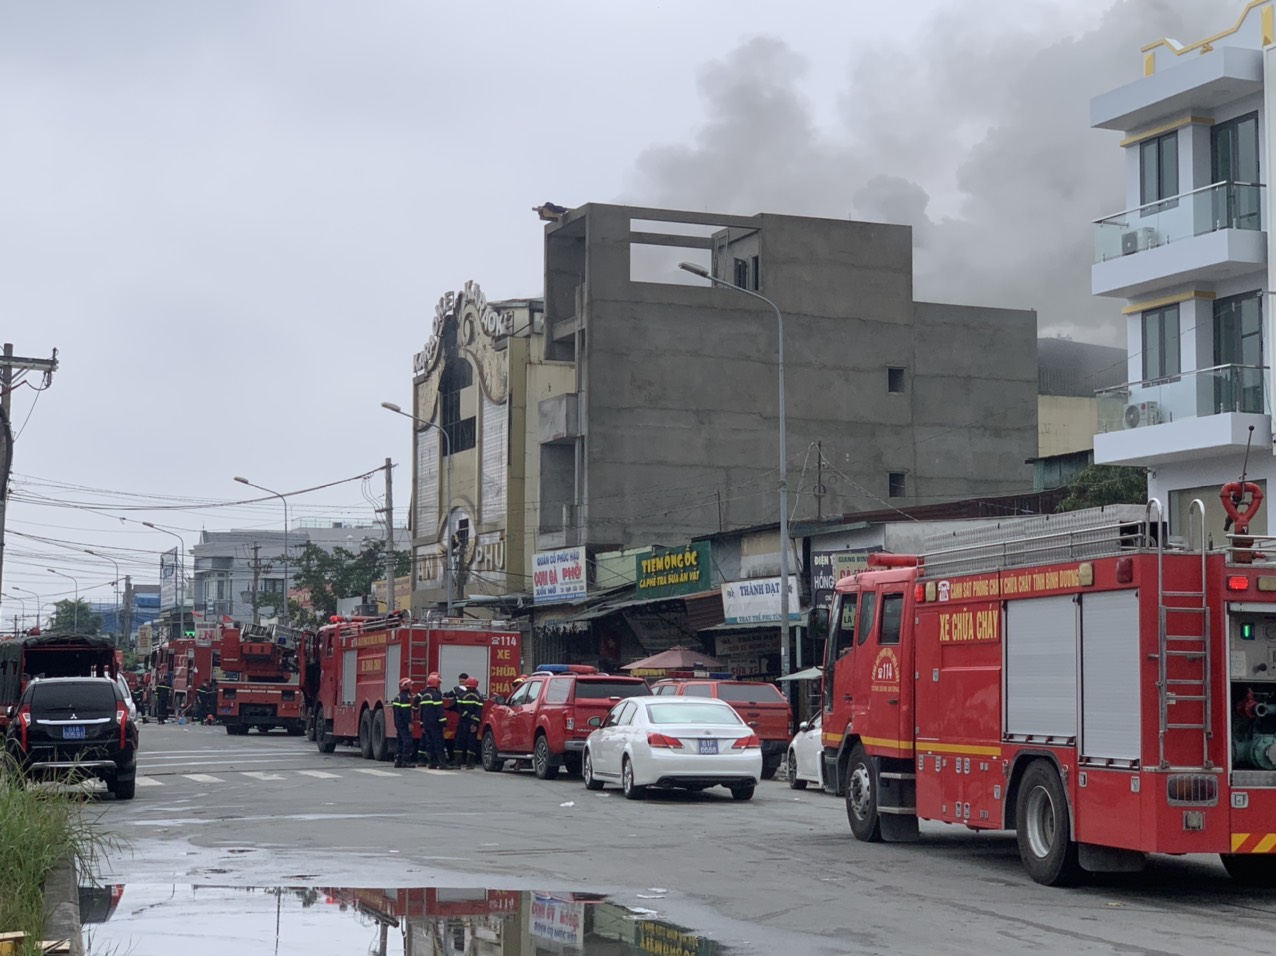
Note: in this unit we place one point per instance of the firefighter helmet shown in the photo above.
(405, 684)
(471, 683)
(521, 678)
(433, 681)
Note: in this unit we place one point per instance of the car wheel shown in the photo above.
(325, 741)
(769, 766)
(1042, 827)
(542, 760)
(587, 770)
(794, 782)
(365, 735)
(861, 797)
(380, 745)
(1250, 869)
(122, 787)
(742, 793)
(492, 762)
(632, 790)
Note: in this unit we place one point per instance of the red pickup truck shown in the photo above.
(546, 719)
(759, 705)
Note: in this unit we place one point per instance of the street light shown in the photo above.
(447, 526)
(20, 600)
(38, 605)
(245, 481)
(76, 616)
(181, 574)
(702, 272)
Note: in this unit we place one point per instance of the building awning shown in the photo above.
(802, 621)
(811, 673)
(611, 607)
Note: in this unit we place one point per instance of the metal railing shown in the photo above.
(1196, 213)
(1195, 394)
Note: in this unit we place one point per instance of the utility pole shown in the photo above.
(8, 364)
(391, 605)
(127, 612)
(256, 575)
(819, 480)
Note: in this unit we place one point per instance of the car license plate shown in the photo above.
(73, 732)
(708, 746)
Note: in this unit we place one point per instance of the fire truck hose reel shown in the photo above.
(1240, 509)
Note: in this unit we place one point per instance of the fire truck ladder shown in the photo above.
(1190, 641)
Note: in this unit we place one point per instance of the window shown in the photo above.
(895, 380)
(606, 689)
(689, 712)
(895, 484)
(559, 690)
(698, 690)
(272, 585)
(1161, 343)
(750, 694)
(868, 605)
(625, 714)
(534, 688)
(843, 626)
(741, 273)
(1238, 343)
(892, 618)
(1158, 169)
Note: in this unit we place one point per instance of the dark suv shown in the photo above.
(75, 727)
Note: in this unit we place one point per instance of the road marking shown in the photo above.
(435, 773)
(376, 773)
(261, 775)
(149, 782)
(203, 778)
(321, 774)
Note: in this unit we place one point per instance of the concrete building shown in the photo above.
(1069, 377)
(1189, 261)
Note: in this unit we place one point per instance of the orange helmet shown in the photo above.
(518, 680)
(471, 683)
(405, 684)
(433, 681)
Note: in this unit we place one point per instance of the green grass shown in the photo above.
(40, 827)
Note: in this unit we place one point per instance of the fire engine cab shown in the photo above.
(1076, 678)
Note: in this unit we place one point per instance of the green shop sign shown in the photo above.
(665, 572)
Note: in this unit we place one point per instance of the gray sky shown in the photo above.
(233, 218)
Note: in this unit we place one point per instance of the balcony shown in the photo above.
(1193, 415)
(1212, 233)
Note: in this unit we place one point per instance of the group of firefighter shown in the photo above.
(430, 706)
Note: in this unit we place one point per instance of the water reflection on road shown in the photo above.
(194, 920)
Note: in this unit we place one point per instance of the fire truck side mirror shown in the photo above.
(820, 622)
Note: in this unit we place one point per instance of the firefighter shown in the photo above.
(433, 720)
(403, 705)
(163, 691)
(470, 704)
(451, 701)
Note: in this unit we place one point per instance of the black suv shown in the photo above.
(75, 727)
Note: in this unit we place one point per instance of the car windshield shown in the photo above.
(692, 712)
(750, 694)
(95, 696)
(606, 689)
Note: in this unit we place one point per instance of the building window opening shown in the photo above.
(741, 273)
(457, 376)
(1158, 170)
(895, 487)
(895, 381)
(1161, 356)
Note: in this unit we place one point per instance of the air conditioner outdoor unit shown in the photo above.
(1142, 413)
(1137, 239)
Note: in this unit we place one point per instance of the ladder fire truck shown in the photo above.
(261, 683)
(359, 662)
(1076, 678)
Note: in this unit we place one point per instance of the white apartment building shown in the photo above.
(1190, 261)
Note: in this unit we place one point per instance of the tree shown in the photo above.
(1106, 485)
(72, 617)
(331, 576)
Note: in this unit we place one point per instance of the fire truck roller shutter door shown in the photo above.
(456, 659)
(1041, 666)
(1111, 724)
(349, 676)
(393, 661)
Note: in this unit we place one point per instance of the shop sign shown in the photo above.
(829, 567)
(757, 601)
(558, 921)
(558, 575)
(666, 572)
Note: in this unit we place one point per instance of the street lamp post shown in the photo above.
(75, 617)
(447, 511)
(117, 579)
(245, 481)
(704, 273)
(181, 574)
(38, 605)
(21, 601)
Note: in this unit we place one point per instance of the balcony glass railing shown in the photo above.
(1204, 210)
(1207, 391)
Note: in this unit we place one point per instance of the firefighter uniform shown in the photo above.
(163, 692)
(403, 706)
(433, 720)
(470, 707)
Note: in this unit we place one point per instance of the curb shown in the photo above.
(62, 906)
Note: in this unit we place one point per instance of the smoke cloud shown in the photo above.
(977, 136)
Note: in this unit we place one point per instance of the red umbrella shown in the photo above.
(676, 658)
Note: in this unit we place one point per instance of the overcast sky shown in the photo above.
(232, 219)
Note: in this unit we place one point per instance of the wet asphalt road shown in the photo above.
(781, 871)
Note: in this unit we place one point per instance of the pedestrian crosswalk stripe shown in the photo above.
(149, 782)
(203, 778)
(262, 775)
(437, 773)
(375, 773)
(321, 774)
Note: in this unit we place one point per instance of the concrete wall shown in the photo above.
(1065, 424)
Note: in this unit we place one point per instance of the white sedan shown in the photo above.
(806, 761)
(691, 743)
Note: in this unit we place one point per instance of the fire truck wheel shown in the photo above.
(631, 789)
(380, 746)
(542, 760)
(861, 797)
(492, 762)
(1249, 869)
(587, 770)
(794, 782)
(236, 730)
(323, 740)
(1041, 825)
(365, 735)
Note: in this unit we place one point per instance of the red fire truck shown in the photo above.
(360, 661)
(261, 684)
(1076, 678)
(190, 662)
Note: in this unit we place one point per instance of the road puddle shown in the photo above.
(139, 919)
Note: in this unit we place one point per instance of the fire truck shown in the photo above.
(359, 662)
(189, 660)
(1080, 678)
(262, 685)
